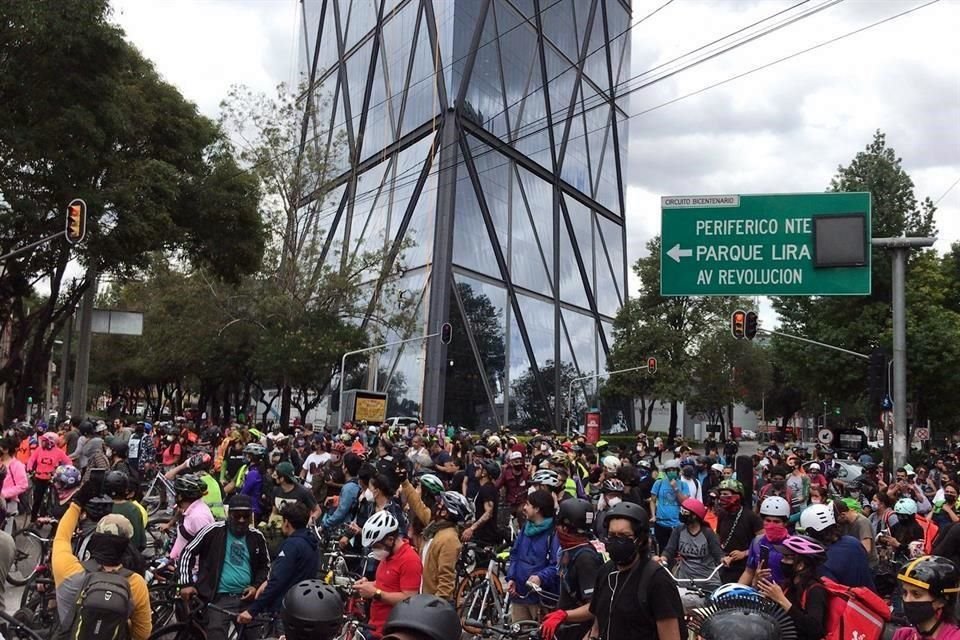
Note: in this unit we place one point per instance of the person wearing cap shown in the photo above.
(693, 545)
(298, 560)
(225, 564)
(192, 513)
(815, 474)
(856, 525)
(665, 497)
(107, 547)
(41, 465)
(514, 479)
(287, 490)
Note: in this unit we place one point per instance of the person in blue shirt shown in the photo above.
(349, 494)
(665, 498)
(847, 561)
(534, 557)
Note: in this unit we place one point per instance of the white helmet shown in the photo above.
(493, 441)
(547, 477)
(905, 507)
(611, 463)
(817, 517)
(379, 526)
(775, 506)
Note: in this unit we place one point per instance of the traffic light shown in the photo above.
(76, 220)
(877, 376)
(446, 333)
(651, 365)
(30, 395)
(738, 322)
(750, 328)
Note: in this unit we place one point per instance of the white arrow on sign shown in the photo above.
(676, 252)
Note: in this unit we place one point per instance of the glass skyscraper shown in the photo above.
(482, 143)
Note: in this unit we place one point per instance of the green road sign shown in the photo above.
(777, 245)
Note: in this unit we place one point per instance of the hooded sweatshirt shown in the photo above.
(298, 560)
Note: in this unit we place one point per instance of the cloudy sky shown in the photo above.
(782, 129)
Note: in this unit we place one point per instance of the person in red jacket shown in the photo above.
(515, 478)
(42, 463)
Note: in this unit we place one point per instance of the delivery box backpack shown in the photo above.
(103, 605)
(853, 613)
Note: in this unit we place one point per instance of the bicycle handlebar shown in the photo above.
(694, 581)
(514, 631)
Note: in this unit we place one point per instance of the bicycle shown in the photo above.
(487, 601)
(192, 627)
(522, 630)
(31, 549)
(157, 493)
(693, 591)
(13, 629)
(469, 570)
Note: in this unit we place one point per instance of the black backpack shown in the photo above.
(103, 605)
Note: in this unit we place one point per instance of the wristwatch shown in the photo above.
(378, 595)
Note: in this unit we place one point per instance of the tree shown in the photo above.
(85, 115)
(530, 410)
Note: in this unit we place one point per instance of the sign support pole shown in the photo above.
(900, 245)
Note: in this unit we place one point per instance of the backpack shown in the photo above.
(103, 605)
(852, 612)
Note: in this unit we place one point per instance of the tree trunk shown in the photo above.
(285, 394)
(672, 432)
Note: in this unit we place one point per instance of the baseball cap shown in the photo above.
(286, 470)
(240, 502)
(813, 467)
(116, 525)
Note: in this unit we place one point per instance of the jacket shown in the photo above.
(68, 576)
(413, 500)
(43, 462)
(439, 555)
(530, 556)
(208, 550)
(346, 508)
(515, 483)
(298, 560)
(15, 482)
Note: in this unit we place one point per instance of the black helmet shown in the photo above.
(312, 609)
(633, 512)
(576, 514)
(492, 469)
(116, 484)
(98, 507)
(936, 574)
(458, 509)
(118, 446)
(425, 615)
(741, 623)
(190, 486)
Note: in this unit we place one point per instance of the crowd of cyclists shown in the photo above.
(596, 541)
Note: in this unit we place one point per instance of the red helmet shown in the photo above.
(695, 507)
(338, 447)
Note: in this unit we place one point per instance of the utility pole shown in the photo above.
(79, 397)
(64, 365)
(900, 246)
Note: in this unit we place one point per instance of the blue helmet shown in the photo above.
(735, 591)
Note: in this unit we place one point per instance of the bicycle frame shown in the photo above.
(490, 595)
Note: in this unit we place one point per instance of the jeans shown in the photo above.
(39, 493)
(218, 623)
(7, 551)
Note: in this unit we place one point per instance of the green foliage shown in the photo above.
(531, 412)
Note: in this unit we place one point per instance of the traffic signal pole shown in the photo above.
(594, 377)
(900, 246)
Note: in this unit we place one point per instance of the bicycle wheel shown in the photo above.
(163, 602)
(39, 599)
(29, 552)
(483, 604)
(179, 631)
(468, 582)
(156, 539)
(152, 497)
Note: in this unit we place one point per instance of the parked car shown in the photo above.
(748, 434)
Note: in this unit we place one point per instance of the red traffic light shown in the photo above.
(76, 224)
(651, 365)
(446, 333)
(738, 323)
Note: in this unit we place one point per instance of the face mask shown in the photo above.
(612, 502)
(775, 532)
(672, 475)
(875, 506)
(855, 495)
(917, 613)
(778, 484)
(379, 554)
(368, 495)
(949, 499)
(108, 451)
(687, 518)
(788, 570)
(622, 550)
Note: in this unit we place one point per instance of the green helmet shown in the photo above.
(432, 484)
(731, 485)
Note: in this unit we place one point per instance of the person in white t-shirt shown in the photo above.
(314, 462)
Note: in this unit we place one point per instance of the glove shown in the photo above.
(550, 623)
(85, 493)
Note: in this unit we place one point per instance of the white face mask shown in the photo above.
(368, 495)
(614, 501)
(379, 554)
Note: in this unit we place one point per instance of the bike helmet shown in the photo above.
(338, 447)
(379, 526)
(431, 484)
(734, 591)
(935, 574)
(190, 486)
(905, 507)
(312, 609)
(633, 512)
(200, 462)
(514, 455)
(118, 446)
(804, 546)
(546, 477)
(51, 437)
(576, 514)
(457, 507)
(66, 475)
(425, 615)
(116, 484)
(756, 619)
(558, 458)
(817, 517)
(492, 469)
(611, 464)
(98, 507)
(731, 485)
(775, 506)
(254, 449)
(694, 506)
(612, 485)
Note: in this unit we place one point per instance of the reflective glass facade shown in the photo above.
(484, 146)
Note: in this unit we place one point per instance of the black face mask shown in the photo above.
(778, 484)
(687, 518)
(788, 570)
(917, 613)
(622, 551)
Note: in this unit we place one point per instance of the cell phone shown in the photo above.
(96, 478)
(765, 554)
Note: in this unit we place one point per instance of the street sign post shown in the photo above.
(921, 434)
(786, 245)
